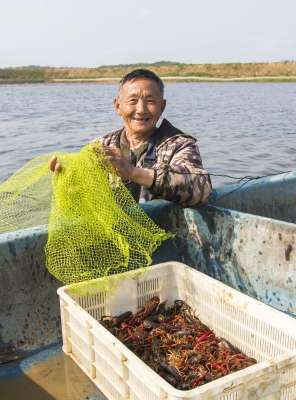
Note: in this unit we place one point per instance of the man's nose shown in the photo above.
(141, 106)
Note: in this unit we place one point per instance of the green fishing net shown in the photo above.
(95, 227)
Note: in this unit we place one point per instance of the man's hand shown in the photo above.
(54, 164)
(142, 176)
(123, 168)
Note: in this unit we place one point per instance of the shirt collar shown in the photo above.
(159, 122)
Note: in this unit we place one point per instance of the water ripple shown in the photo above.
(242, 128)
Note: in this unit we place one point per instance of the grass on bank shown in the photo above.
(283, 70)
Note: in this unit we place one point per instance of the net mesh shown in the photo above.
(95, 227)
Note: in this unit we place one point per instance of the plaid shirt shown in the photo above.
(178, 172)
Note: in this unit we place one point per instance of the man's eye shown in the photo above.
(132, 101)
(150, 101)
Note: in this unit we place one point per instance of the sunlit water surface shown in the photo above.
(242, 128)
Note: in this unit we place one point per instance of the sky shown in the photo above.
(91, 33)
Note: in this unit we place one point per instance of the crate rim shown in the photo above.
(288, 319)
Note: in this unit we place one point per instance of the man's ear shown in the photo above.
(116, 104)
(163, 105)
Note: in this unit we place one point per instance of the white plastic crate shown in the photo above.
(255, 328)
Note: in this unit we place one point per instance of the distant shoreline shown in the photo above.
(267, 79)
(169, 71)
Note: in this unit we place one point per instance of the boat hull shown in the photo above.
(272, 197)
(253, 254)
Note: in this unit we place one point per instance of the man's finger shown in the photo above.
(52, 163)
(57, 167)
(112, 150)
(113, 157)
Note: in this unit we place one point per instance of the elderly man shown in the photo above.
(154, 160)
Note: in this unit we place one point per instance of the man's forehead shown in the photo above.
(136, 86)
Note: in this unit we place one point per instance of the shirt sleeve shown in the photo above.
(182, 179)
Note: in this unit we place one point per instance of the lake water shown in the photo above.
(243, 128)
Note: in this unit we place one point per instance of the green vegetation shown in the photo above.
(276, 71)
(23, 74)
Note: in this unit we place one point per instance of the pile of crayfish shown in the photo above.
(176, 344)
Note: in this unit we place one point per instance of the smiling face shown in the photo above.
(140, 104)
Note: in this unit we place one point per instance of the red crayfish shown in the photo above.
(176, 344)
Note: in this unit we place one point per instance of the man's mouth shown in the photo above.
(142, 119)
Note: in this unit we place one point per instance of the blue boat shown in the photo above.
(270, 196)
(245, 238)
